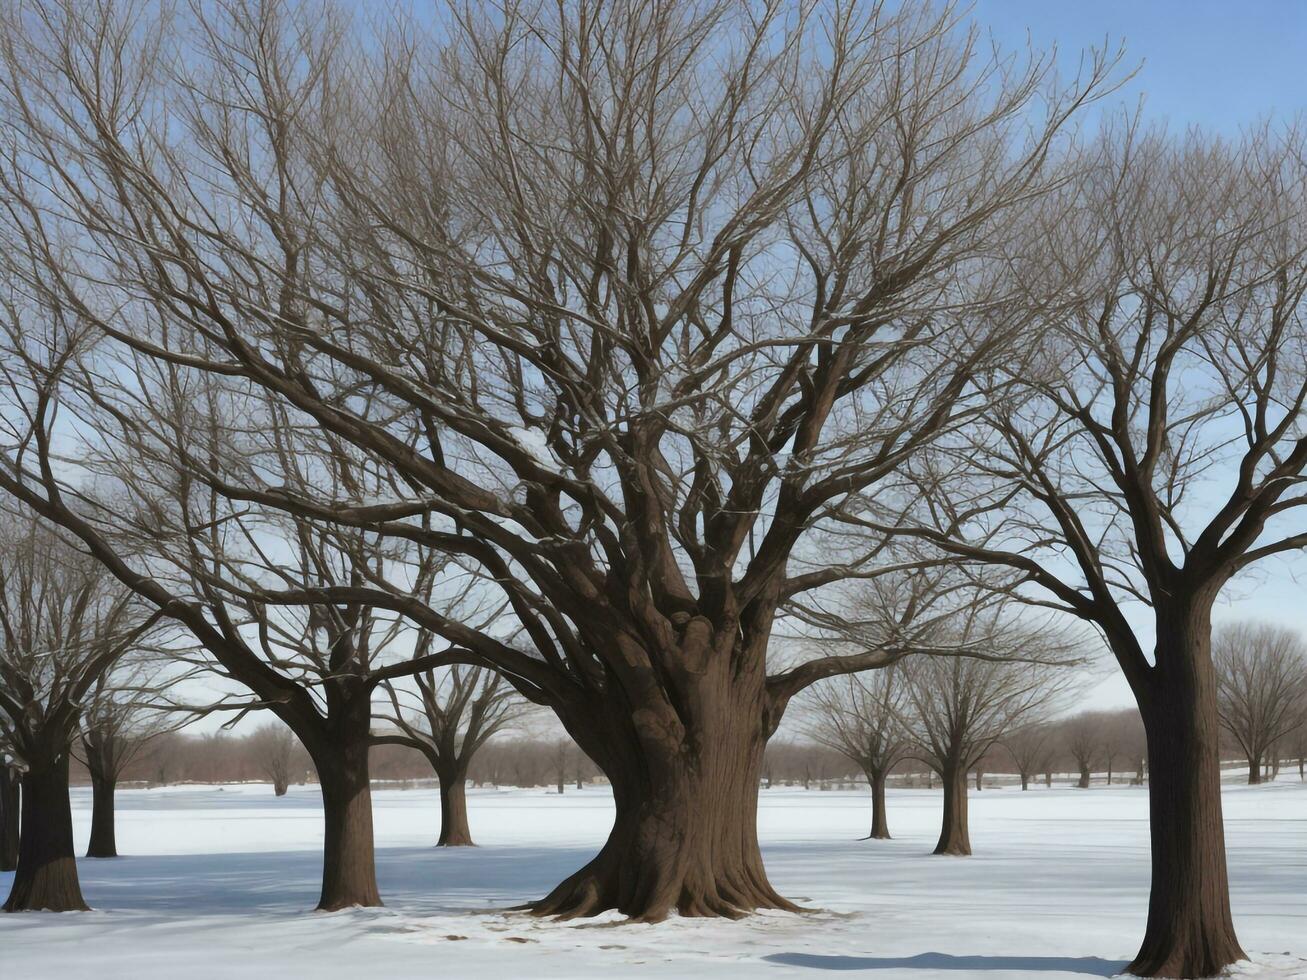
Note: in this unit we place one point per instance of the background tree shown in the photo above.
(1261, 683)
(860, 716)
(448, 715)
(1083, 739)
(1032, 747)
(273, 746)
(63, 623)
(554, 329)
(960, 707)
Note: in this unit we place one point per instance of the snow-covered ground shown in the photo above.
(219, 883)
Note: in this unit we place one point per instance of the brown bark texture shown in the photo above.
(46, 876)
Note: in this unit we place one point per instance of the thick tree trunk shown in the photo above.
(1025, 781)
(685, 787)
(454, 829)
(954, 837)
(879, 816)
(1084, 778)
(1190, 931)
(980, 776)
(10, 803)
(104, 842)
(1254, 771)
(279, 786)
(349, 876)
(46, 877)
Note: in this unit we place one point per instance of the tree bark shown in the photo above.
(103, 842)
(954, 836)
(454, 829)
(1048, 780)
(279, 786)
(879, 816)
(10, 804)
(1190, 932)
(1025, 781)
(685, 788)
(46, 877)
(979, 779)
(1254, 771)
(349, 876)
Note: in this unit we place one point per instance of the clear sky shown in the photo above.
(1214, 63)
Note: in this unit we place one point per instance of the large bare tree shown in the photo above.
(1158, 452)
(1261, 686)
(622, 299)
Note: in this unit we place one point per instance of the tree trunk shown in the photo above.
(879, 817)
(279, 786)
(454, 829)
(10, 802)
(1025, 781)
(46, 878)
(979, 778)
(104, 842)
(954, 837)
(1254, 771)
(685, 787)
(1190, 931)
(1048, 780)
(1084, 778)
(349, 876)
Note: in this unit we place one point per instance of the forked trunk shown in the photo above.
(10, 801)
(104, 842)
(46, 877)
(954, 837)
(1190, 932)
(454, 829)
(879, 817)
(349, 876)
(685, 787)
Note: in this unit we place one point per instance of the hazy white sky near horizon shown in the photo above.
(1206, 63)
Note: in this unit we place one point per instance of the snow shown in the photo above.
(219, 883)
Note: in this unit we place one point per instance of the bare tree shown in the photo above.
(1032, 747)
(1261, 684)
(273, 747)
(1084, 738)
(1170, 354)
(623, 303)
(118, 720)
(959, 708)
(860, 716)
(63, 623)
(448, 716)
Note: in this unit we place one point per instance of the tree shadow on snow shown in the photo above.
(1092, 965)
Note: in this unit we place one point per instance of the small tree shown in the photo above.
(1032, 748)
(960, 707)
(1261, 682)
(272, 747)
(1084, 738)
(860, 717)
(448, 715)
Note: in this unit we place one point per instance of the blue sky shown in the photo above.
(1215, 63)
